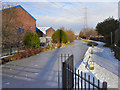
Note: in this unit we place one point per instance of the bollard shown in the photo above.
(91, 51)
(91, 65)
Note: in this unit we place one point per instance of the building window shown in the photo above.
(36, 29)
(20, 30)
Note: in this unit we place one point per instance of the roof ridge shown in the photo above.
(18, 6)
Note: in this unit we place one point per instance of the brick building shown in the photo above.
(47, 33)
(16, 21)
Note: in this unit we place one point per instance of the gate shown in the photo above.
(67, 74)
(72, 78)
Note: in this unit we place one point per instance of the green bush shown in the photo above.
(31, 40)
(106, 27)
(59, 35)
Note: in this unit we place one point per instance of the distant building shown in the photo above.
(47, 33)
(16, 21)
(40, 33)
(77, 37)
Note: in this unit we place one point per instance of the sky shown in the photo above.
(70, 14)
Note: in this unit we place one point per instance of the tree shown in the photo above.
(88, 32)
(70, 35)
(81, 34)
(8, 36)
(11, 23)
(106, 27)
(59, 36)
(31, 40)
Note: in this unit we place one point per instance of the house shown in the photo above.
(16, 21)
(42, 36)
(40, 33)
(47, 33)
(76, 36)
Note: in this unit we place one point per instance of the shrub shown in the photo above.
(105, 28)
(27, 53)
(31, 40)
(70, 35)
(59, 35)
(18, 55)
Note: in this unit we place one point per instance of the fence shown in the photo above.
(10, 51)
(63, 58)
(75, 79)
(67, 75)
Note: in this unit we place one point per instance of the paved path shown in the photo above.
(39, 71)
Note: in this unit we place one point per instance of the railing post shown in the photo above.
(98, 84)
(72, 67)
(89, 82)
(78, 79)
(64, 81)
(68, 77)
(81, 81)
(104, 85)
(85, 80)
(93, 83)
(75, 78)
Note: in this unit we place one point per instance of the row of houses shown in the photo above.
(16, 21)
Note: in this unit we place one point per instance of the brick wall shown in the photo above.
(50, 32)
(14, 19)
(29, 23)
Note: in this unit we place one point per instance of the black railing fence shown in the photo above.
(74, 79)
(63, 58)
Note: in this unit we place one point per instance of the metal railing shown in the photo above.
(71, 78)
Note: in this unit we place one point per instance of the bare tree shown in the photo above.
(10, 25)
(88, 33)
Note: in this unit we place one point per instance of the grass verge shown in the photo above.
(86, 40)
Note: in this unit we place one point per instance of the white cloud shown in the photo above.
(70, 15)
(61, 0)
